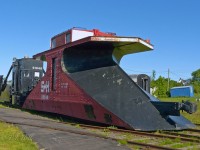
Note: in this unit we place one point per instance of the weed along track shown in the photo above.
(133, 139)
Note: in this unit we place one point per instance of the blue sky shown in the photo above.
(173, 27)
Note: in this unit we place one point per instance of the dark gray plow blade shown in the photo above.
(112, 88)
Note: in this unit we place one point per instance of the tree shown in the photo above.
(161, 86)
(153, 77)
(196, 75)
(196, 81)
(5, 94)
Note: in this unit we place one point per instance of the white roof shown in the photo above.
(180, 87)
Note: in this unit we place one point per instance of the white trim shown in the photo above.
(146, 44)
(122, 39)
(117, 39)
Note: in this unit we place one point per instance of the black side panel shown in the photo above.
(88, 56)
(114, 89)
(26, 73)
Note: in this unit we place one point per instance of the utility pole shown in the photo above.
(168, 81)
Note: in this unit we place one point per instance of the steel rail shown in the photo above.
(193, 130)
(146, 134)
(180, 134)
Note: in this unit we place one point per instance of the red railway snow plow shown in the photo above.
(84, 80)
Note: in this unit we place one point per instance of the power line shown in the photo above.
(179, 75)
(175, 74)
(168, 79)
(143, 71)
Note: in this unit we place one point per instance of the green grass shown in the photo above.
(166, 142)
(77, 126)
(112, 127)
(12, 138)
(195, 117)
(143, 140)
(122, 142)
(1, 106)
(182, 145)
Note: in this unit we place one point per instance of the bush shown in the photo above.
(5, 95)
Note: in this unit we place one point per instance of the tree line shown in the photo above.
(161, 86)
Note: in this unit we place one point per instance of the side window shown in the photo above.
(53, 43)
(37, 74)
(68, 38)
(54, 74)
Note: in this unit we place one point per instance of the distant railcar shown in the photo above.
(142, 80)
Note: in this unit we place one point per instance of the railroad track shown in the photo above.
(197, 124)
(181, 134)
(98, 127)
(193, 130)
(147, 146)
(160, 135)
